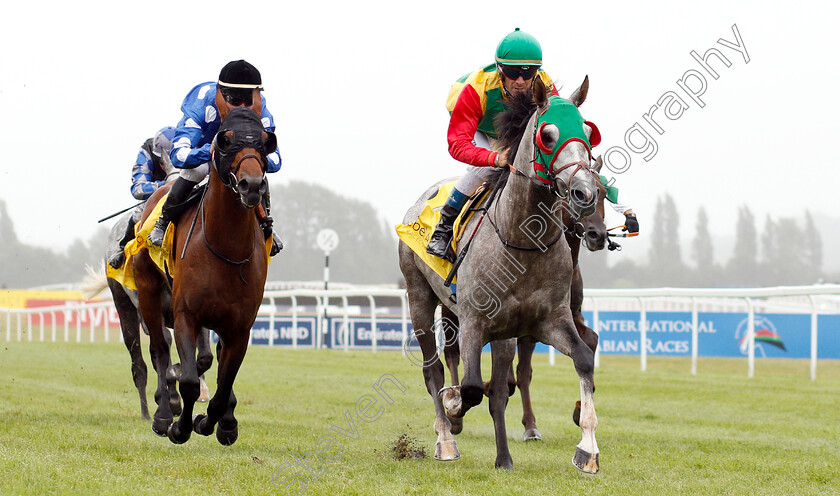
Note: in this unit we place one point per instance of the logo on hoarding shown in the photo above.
(765, 333)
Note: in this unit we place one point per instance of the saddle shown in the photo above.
(162, 256)
(418, 234)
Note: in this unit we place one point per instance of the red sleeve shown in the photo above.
(463, 123)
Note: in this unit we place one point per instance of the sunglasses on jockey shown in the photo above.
(514, 72)
(236, 96)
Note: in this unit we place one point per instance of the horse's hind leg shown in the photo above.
(452, 354)
(502, 352)
(149, 286)
(523, 380)
(130, 327)
(186, 331)
(205, 360)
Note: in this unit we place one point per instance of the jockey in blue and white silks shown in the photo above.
(200, 123)
(239, 85)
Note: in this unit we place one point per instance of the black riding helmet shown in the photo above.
(237, 82)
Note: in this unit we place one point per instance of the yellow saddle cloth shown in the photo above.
(162, 255)
(418, 234)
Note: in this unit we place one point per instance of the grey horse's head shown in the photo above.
(562, 150)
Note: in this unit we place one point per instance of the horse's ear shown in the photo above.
(579, 95)
(256, 104)
(599, 162)
(222, 105)
(540, 93)
(269, 142)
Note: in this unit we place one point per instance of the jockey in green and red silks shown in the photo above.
(474, 101)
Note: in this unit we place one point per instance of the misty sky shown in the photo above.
(358, 91)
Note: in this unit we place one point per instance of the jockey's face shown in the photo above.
(517, 80)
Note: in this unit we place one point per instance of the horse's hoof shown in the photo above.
(457, 425)
(505, 463)
(226, 437)
(532, 434)
(451, 399)
(161, 425)
(200, 425)
(175, 435)
(576, 414)
(447, 451)
(586, 462)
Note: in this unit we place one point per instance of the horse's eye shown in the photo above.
(225, 141)
(547, 137)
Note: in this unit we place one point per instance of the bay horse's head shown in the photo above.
(594, 230)
(558, 152)
(240, 151)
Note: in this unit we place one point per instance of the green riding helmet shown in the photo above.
(519, 48)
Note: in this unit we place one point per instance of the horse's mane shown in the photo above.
(511, 124)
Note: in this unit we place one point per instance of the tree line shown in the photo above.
(789, 251)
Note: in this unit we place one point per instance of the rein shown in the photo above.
(508, 244)
(240, 263)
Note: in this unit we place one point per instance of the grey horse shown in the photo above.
(516, 281)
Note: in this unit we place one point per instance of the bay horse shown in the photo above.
(219, 276)
(127, 306)
(516, 281)
(592, 233)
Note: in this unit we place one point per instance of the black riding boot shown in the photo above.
(118, 258)
(170, 211)
(440, 244)
(267, 226)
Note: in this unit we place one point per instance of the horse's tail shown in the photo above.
(95, 282)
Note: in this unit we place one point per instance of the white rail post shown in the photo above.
(642, 334)
(694, 331)
(52, 317)
(295, 324)
(596, 324)
(750, 339)
(814, 319)
(372, 323)
(271, 321)
(345, 329)
(404, 304)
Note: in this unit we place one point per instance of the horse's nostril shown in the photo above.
(243, 185)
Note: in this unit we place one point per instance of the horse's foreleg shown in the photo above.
(566, 339)
(221, 407)
(589, 336)
(148, 291)
(472, 386)
(523, 380)
(452, 354)
(503, 352)
(186, 331)
(205, 360)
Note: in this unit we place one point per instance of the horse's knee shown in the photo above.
(189, 388)
(471, 394)
(584, 359)
(204, 362)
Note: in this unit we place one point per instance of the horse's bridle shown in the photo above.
(229, 179)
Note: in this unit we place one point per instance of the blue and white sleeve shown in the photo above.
(142, 185)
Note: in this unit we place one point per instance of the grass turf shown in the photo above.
(71, 425)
